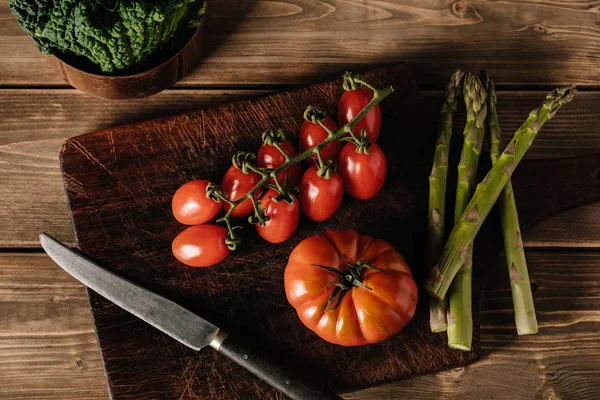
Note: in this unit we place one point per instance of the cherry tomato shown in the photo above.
(191, 206)
(270, 157)
(351, 103)
(201, 245)
(283, 218)
(312, 134)
(363, 174)
(362, 316)
(237, 184)
(320, 197)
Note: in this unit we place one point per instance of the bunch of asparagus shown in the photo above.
(449, 282)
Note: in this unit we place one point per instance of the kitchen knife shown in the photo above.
(177, 322)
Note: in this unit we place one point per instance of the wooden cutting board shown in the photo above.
(119, 184)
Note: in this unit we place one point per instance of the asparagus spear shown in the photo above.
(437, 194)
(488, 191)
(460, 319)
(513, 245)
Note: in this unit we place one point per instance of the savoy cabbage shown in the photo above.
(116, 35)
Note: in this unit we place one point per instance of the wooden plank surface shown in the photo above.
(34, 124)
(47, 346)
(534, 42)
(49, 349)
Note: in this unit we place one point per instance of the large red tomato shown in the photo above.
(191, 206)
(351, 104)
(363, 315)
(201, 245)
(237, 184)
(363, 174)
(270, 157)
(311, 134)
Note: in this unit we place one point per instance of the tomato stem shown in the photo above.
(351, 278)
(272, 137)
(231, 240)
(281, 189)
(244, 161)
(283, 152)
(361, 81)
(326, 169)
(214, 192)
(253, 168)
(320, 162)
(330, 133)
(314, 114)
(353, 81)
(259, 216)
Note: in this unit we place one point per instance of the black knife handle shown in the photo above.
(269, 371)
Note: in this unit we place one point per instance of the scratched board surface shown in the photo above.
(119, 184)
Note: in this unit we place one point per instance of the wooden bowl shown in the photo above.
(137, 85)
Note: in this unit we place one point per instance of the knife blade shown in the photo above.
(178, 322)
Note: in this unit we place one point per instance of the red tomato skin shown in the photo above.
(312, 134)
(237, 184)
(270, 157)
(319, 197)
(363, 174)
(283, 216)
(351, 104)
(201, 245)
(191, 206)
(364, 316)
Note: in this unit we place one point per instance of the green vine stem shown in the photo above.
(244, 161)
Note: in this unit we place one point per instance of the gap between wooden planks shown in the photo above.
(301, 41)
(34, 124)
(49, 350)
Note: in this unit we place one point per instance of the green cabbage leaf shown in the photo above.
(116, 35)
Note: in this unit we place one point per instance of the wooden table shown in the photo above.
(47, 345)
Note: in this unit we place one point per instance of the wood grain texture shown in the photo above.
(542, 185)
(119, 182)
(562, 361)
(249, 42)
(34, 124)
(48, 349)
(40, 349)
(579, 227)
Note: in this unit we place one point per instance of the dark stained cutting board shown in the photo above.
(119, 184)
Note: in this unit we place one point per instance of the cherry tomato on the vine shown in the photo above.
(201, 245)
(320, 197)
(363, 174)
(191, 206)
(351, 104)
(270, 157)
(283, 218)
(237, 184)
(311, 134)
